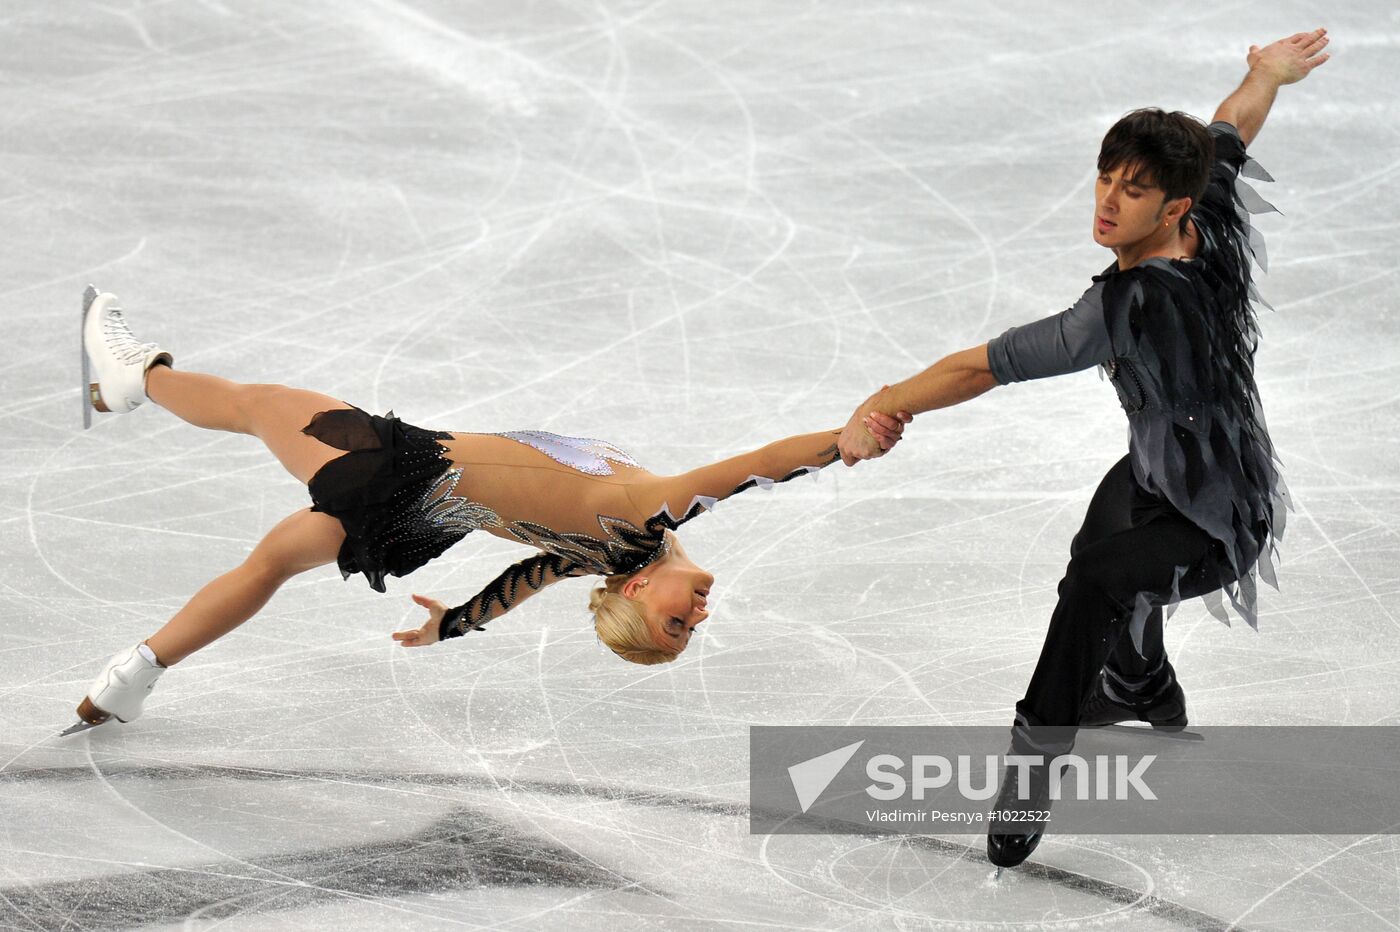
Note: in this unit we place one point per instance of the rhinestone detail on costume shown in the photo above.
(1119, 372)
(627, 548)
(452, 513)
(427, 523)
(581, 453)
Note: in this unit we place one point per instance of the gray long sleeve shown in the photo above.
(1066, 342)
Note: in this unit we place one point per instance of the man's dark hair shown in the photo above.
(1170, 150)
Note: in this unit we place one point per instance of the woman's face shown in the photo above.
(673, 593)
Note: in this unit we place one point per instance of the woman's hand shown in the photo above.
(887, 430)
(428, 634)
(855, 443)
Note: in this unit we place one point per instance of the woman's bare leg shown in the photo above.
(275, 414)
(301, 541)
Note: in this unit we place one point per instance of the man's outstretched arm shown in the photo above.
(1072, 340)
(1286, 61)
(952, 380)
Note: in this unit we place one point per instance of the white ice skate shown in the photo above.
(118, 361)
(119, 690)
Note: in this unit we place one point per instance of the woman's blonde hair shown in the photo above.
(622, 626)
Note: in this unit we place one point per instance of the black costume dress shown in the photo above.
(388, 492)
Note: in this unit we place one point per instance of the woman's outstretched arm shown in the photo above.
(774, 462)
(515, 585)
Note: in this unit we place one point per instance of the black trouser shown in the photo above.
(1130, 543)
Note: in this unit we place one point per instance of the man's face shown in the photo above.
(1128, 208)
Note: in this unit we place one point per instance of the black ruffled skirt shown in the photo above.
(381, 491)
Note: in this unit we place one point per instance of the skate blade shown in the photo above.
(87, 393)
(1147, 730)
(89, 716)
(76, 727)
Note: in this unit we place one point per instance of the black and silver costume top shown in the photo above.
(1177, 338)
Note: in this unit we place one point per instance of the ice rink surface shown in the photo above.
(689, 229)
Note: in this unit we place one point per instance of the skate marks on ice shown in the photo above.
(464, 850)
(467, 849)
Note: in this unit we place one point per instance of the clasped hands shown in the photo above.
(871, 433)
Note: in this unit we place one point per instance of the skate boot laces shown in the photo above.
(120, 341)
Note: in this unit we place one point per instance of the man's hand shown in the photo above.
(869, 433)
(1290, 60)
(1286, 61)
(428, 634)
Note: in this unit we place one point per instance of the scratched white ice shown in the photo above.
(688, 229)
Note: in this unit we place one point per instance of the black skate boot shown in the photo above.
(1156, 700)
(1016, 826)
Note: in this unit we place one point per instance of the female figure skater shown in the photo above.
(1196, 504)
(387, 497)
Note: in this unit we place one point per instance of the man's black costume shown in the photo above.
(1196, 505)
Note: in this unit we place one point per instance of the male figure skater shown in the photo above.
(1194, 507)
